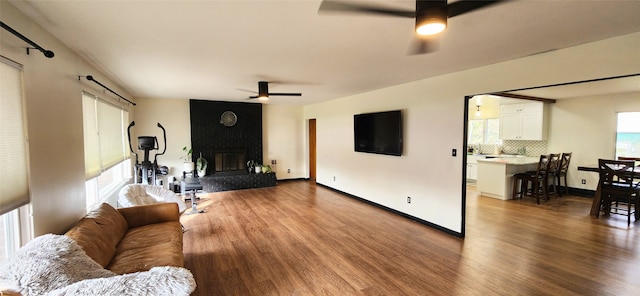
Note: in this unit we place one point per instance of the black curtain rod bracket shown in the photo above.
(90, 78)
(47, 53)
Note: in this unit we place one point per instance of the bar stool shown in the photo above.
(536, 178)
(561, 173)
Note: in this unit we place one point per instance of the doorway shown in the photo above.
(312, 149)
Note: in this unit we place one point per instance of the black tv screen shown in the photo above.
(379, 132)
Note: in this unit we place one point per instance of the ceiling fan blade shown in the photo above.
(339, 6)
(286, 94)
(423, 46)
(464, 6)
(246, 90)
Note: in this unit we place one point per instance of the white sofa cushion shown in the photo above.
(163, 280)
(50, 262)
(139, 195)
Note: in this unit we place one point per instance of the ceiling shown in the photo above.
(219, 50)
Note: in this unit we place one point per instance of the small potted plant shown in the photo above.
(201, 165)
(188, 165)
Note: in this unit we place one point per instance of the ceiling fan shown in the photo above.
(263, 92)
(431, 16)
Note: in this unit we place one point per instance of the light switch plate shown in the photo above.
(454, 152)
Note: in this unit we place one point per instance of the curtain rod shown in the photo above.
(47, 53)
(90, 78)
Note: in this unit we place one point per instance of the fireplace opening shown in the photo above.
(230, 161)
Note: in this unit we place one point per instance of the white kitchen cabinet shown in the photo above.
(472, 171)
(472, 166)
(523, 121)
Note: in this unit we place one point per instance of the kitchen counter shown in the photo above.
(495, 175)
(514, 160)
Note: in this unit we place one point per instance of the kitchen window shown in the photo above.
(628, 134)
(484, 131)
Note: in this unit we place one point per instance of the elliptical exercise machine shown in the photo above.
(146, 143)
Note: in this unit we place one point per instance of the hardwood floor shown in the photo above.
(301, 239)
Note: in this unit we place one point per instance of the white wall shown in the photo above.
(434, 111)
(587, 128)
(284, 141)
(173, 115)
(53, 96)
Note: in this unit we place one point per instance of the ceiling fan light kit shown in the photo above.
(263, 91)
(431, 17)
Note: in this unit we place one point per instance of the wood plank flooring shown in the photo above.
(301, 239)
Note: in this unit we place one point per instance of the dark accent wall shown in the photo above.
(208, 134)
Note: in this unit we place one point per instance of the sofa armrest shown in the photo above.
(9, 293)
(150, 214)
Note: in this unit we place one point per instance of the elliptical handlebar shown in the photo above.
(129, 135)
(164, 135)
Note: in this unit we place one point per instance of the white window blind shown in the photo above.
(104, 135)
(14, 185)
(91, 140)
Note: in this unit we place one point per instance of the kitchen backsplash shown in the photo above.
(528, 148)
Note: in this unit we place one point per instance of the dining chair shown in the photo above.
(550, 175)
(620, 195)
(561, 173)
(533, 178)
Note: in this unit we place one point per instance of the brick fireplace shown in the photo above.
(226, 148)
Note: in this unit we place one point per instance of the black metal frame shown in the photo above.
(90, 78)
(47, 53)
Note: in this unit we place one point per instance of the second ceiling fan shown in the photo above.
(430, 16)
(263, 92)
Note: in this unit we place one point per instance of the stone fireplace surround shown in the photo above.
(214, 140)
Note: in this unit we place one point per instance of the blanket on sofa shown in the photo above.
(56, 265)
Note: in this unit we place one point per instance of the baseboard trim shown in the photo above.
(582, 192)
(410, 217)
(292, 179)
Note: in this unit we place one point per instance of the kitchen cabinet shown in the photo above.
(472, 171)
(523, 121)
(472, 166)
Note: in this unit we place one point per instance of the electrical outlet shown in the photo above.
(288, 171)
(584, 181)
(334, 178)
(408, 199)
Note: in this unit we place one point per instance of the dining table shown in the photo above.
(595, 206)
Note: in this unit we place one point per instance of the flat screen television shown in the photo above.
(379, 132)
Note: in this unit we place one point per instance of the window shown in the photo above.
(628, 134)
(14, 185)
(107, 163)
(484, 131)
